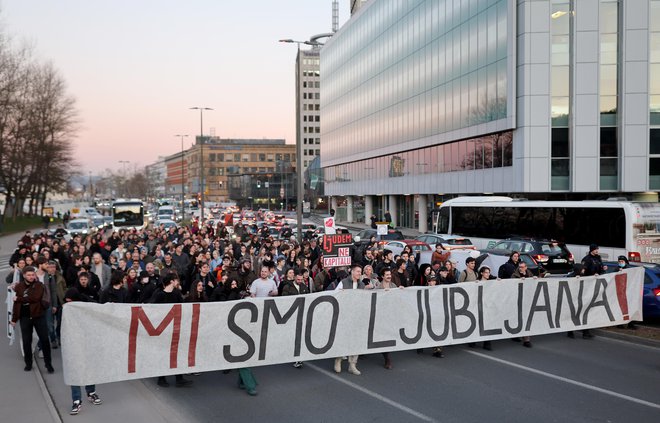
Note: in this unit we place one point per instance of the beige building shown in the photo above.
(224, 158)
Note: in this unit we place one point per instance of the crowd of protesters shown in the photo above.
(200, 263)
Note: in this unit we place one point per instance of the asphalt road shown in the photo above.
(558, 380)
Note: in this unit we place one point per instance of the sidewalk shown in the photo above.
(36, 396)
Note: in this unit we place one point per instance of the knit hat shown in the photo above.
(593, 247)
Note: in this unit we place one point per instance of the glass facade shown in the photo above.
(654, 95)
(560, 89)
(609, 86)
(407, 70)
(486, 152)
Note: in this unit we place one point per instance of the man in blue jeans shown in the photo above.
(72, 294)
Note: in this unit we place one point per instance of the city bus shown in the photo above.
(618, 227)
(128, 214)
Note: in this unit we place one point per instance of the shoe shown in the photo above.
(40, 354)
(226, 371)
(570, 335)
(337, 365)
(94, 398)
(75, 408)
(527, 344)
(298, 364)
(252, 392)
(420, 351)
(181, 383)
(388, 364)
(353, 370)
(50, 369)
(54, 345)
(163, 382)
(437, 352)
(28, 367)
(487, 346)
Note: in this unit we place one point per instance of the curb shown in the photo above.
(628, 338)
(50, 403)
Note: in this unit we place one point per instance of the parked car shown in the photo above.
(552, 255)
(167, 223)
(392, 235)
(80, 227)
(448, 242)
(651, 291)
(421, 249)
(107, 222)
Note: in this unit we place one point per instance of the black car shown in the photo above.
(392, 235)
(552, 255)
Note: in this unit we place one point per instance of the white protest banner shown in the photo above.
(111, 342)
(10, 306)
(382, 229)
(329, 225)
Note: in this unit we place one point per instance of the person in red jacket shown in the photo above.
(30, 304)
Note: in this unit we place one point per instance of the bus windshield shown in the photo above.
(128, 215)
(646, 232)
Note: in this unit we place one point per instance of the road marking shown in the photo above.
(566, 380)
(372, 394)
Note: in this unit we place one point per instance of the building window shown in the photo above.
(253, 157)
(221, 157)
(271, 157)
(262, 157)
(212, 157)
(246, 157)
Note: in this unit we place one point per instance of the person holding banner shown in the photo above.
(296, 286)
(353, 281)
(170, 294)
(70, 295)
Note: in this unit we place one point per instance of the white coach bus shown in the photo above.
(128, 214)
(617, 227)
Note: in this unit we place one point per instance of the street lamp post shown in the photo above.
(183, 196)
(299, 173)
(201, 162)
(124, 163)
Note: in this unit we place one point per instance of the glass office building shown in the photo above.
(429, 98)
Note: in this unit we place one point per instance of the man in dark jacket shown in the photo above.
(170, 294)
(30, 305)
(142, 290)
(296, 287)
(244, 275)
(592, 264)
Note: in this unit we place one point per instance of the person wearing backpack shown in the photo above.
(469, 274)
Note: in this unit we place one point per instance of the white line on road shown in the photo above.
(372, 394)
(566, 380)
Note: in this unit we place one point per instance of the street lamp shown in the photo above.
(201, 162)
(183, 207)
(124, 163)
(299, 173)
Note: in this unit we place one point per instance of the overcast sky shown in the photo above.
(136, 66)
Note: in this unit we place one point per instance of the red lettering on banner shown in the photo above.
(194, 329)
(621, 281)
(330, 240)
(343, 252)
(139, 316)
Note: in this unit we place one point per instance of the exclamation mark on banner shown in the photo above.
(621, 285)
